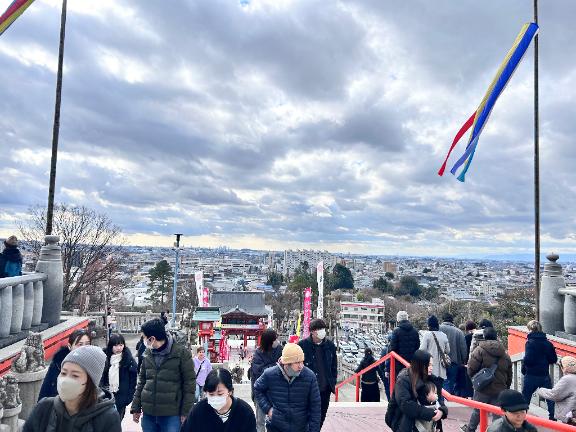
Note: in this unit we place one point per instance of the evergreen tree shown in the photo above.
(160, 281)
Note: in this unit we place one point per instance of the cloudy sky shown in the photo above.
(278, 124)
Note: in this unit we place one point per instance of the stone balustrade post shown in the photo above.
(5, 311)
(551, 301)
(28, 305)
(38, 303)
(50, 263)
(17, 308)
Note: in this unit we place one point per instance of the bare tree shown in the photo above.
(88, 240)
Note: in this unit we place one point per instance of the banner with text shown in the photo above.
(320, 280)
(307, 312)
(199, 279)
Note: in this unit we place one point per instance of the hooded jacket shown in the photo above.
(503, 425)
(539, 354)
(457, 341)
(48, 388)
(11, 255)
(485, 355)
(50, 415)
(404, 341)
(261, 361)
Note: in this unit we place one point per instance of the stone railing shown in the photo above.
(518, 377)
(127, 322)
(29, 300)
(21, 301)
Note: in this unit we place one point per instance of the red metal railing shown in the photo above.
(485, 409)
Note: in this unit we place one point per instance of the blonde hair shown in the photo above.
(534, 326)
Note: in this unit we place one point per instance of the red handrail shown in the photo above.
(484, 408)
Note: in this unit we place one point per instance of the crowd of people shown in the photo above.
(168, 389)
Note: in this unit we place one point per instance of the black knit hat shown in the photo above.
(512, 401)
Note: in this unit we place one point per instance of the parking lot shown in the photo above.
(352, 345)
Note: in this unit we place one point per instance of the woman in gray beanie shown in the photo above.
(80, 405)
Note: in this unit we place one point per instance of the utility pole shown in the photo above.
(174, 289)
(56, 126)
(536, 173)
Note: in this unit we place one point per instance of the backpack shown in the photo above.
(484, 377)
(12, 268)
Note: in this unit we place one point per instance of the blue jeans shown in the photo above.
(531, 383)
(199, 392)
(451, 378)
(160, 423)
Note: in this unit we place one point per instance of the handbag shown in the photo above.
(445, 359)
(484, 377)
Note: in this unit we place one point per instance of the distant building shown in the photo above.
(366, 316)
(390, 267)
(293, 259)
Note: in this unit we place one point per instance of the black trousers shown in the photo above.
(324, 402)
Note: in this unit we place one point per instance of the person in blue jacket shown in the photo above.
(10, 258)
(288, 394)
(120, 372)
(76, 339)
(539, 354)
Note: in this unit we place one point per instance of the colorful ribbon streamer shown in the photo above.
(479, 119)
(15, 9)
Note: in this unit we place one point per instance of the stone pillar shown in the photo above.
(38, 302)
(17, 308)
(570, 314)
(5, 311)
(10, 418)
(50, 263)
(551, 301)
(29, 384)
(28, 305)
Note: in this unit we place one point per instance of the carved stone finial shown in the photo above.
(12, 392)
(553, 257)
(31, 357)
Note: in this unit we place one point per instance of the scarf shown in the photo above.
(114, 372)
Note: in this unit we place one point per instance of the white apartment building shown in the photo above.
(367, 316)
(293, 258)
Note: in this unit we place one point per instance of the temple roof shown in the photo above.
(243, 302)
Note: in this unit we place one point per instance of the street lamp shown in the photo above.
(177, 246)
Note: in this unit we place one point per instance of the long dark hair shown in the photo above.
(419, 368)
(89, 397)
(218, 376)
(267, 339)
(115, 339)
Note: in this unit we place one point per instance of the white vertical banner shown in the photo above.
(199, 279)
(320, 280)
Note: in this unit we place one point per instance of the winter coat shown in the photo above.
(261, 361)
(295, 403)
(168, 389)
(404, 341)
(539, 354)
(563, 393)
(48, 388)
(203, 418)
(128, 376)
(50, 415)
(10, 262)
(409, 409)
(372, 375)
(503, 425)
(457, 341)
(485, 355)
(330, 360)
(428, 344)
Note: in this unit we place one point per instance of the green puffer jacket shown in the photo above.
(167, 390)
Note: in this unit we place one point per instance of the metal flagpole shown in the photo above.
(174, 289)
(56, 126)
(536, 173)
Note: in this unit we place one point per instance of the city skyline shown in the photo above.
(291, 124)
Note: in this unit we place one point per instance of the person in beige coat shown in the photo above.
(564, 392)
(428, 344)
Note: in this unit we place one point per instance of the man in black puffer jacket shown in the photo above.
(288, 394)
(404, 341)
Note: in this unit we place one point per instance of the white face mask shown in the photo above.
(217, 402)
(68, 388)
(321, 334)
